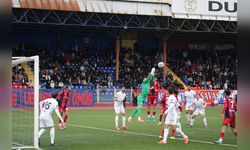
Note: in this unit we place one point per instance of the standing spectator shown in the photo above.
(135, 97)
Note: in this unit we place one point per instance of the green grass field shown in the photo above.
(94, 129)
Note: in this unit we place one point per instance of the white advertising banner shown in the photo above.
(205, 9)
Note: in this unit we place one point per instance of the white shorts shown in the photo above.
(189, 107)
(178, 116)
(171, 119)
(199, 112)
(119, 109)
(46, 121)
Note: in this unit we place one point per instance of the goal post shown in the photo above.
(25, 105)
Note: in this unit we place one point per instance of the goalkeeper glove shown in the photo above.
(153, 71)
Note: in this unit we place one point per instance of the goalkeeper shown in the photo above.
(143, 96)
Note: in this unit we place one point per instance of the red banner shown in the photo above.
(208, 95)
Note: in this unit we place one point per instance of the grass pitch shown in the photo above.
(94, 130)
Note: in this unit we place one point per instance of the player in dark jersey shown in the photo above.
(63, 102)
(228, 112)
(152, 99)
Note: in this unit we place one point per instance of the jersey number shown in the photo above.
(232, 104)
(46, 105)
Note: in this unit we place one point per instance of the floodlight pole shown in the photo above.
(164, 52)
(117, 50)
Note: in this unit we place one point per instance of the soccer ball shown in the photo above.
(161, 64)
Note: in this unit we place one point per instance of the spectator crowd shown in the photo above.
(199, 69)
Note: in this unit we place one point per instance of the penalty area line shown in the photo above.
(145, 134)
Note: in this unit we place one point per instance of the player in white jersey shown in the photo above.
(47, 107)
(200, 106)
(179, 110)
(189, 99)
(119, 100)
(172, 117)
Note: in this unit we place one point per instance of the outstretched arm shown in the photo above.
(150, 78)
(59, 115)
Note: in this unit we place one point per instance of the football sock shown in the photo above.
(205, 121)
(161, 117)
(65, 118)
(173, 132)
(187, 115)
(116, 120)
(178, 130)
(139, 112)
(162, 132)
(192, 121)
(134, 112)
(124, 120)
(154, 113)
(190, 117)
(41, 132)
(148, 112)
(52, 135)
(165, 134)
(221, 136)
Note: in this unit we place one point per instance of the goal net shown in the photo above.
(106, 95)
(25, 102)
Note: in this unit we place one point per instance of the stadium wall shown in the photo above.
(23, 98)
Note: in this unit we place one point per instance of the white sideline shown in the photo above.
(22, 146)
(144, 134)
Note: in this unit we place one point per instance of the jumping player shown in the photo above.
(63, 99)
(228, 112)
(152, 100)
(143, 96)
(189, 99)
(119, 108)
(172, 117)
(47, 107)
(199, 105)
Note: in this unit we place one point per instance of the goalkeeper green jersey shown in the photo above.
(145, 89)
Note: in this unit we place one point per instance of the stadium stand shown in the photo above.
(200, 69)
(205, 69)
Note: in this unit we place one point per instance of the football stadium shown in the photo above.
(124, 74)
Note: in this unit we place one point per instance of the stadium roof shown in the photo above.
(101, 20)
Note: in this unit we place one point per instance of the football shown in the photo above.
(161, 64)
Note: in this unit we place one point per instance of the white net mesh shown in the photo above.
(107, 95)
(23, 105)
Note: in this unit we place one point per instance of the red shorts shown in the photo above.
(163, 109)
(61, 110)
(231, 121)
(152, 100)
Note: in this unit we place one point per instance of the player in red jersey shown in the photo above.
(228, 112)
(63, 100)
(152, 99)
(163, 108)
